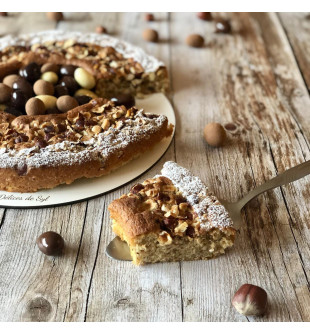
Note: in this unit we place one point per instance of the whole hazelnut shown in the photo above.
(150, 35)
(195, 41)
(42, 87)
(66, 103)
(50, 67)
(101, 30)
(214, 134)
(222, 26)
(34, 107)
(250, 300)
(55, 16)
(10, 79)
(5, 93)
(149, 17)
(205, 16)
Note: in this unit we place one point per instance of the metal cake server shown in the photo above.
(119, 250)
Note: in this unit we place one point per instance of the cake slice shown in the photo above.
(172, 217)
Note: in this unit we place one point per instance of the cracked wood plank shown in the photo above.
(246, 80)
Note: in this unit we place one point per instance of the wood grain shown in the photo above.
(250, 79)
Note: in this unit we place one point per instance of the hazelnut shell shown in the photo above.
(195, 40)
(250, 300)
(150, 35)
(215, 134)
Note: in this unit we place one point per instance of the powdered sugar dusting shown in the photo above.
(210, 211)
(98, 148)
(149, 63)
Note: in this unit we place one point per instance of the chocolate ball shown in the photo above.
(83, 99)
(13, 111)
(10, 79)
(66, 103)
(215, 134)
(50, 67)
(31, 72)
(51, 243)
(23, 85)
(149, 17)
(4, 14)
(126, 100)
(5, 93)
(34, 107)
(222, 26)
(205, 16)
(70, 84)
(150, 35)
(61, 90)
(19, 99)
(67, 70)
(42, 87)
(55, 16)
(101, 30)
(195, 41)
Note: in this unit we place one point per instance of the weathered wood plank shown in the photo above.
(297, 27)
(238, 85)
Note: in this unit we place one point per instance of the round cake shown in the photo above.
(67, 107)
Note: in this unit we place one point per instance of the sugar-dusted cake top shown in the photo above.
(208, 208)
(46, 38)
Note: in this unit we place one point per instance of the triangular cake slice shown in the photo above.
(40, 152)
(172, 217)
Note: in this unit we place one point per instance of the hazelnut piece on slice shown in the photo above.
(250, 300)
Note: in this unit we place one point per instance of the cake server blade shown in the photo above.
(119, 250)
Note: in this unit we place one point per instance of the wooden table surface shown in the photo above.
(256, 78)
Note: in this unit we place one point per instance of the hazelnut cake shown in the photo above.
(67, 107)
(172, 217)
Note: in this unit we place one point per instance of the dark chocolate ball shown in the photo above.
(61, 90)
(13, 111)
(70, 84)
(222, 26)
(126, 100)
(23, 85)
(19, 99)
(32, 72)
(83, 99)
(51, 243)
(67, 70)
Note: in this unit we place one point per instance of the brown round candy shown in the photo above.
(51, 243)
(195, 40)
(150, 35)
(42, 87)
(66, 102)
(5, 93)
(215, 134)
(149, 17)
(126, 100)
(34, 107)
(55, 16)
(10, 79)
(101, 30)
(222, 26)
(205, 16)
(50, 67)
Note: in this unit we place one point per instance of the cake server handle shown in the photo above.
(290, 175)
